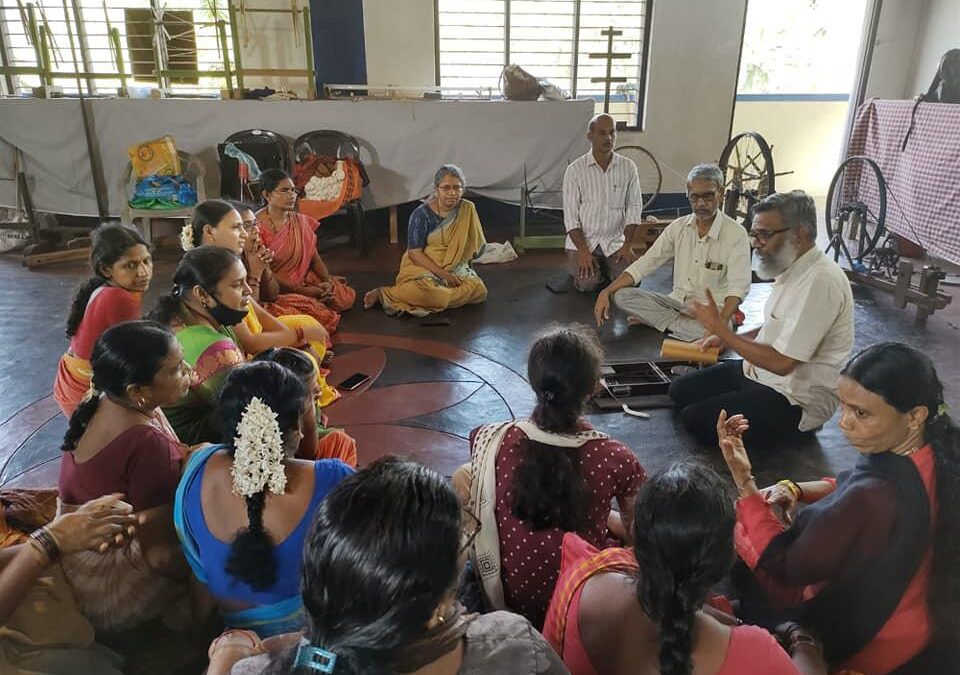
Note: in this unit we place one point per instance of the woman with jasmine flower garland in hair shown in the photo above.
(217, 223)
(245, 548)
(871, 565)
(381, 567)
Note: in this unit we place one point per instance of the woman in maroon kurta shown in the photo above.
(870, 564)
(545, 476)
(120, 442)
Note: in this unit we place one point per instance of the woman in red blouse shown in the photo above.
(122, 270)
(871, 564)
(532, 480)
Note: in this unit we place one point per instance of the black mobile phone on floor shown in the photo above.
(353, 381)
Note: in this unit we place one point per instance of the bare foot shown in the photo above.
(371, 299)
(636, 321)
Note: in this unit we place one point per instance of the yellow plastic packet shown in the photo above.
(157, 157)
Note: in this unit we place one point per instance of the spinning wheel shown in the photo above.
(747, 166)
(651, 179)
(856, 210)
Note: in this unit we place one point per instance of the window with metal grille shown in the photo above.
(179, 39)
(551, 39)
(99, 39)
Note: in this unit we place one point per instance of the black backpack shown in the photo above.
(945, 87)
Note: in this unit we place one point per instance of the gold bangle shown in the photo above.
(795, 489)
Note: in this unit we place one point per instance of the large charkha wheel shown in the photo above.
(648, 168)
(747, 166)
(856, 209)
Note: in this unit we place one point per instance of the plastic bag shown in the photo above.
(163, 192)
(519, 85)
(155, 158)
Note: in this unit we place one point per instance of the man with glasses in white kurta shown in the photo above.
(710, 251)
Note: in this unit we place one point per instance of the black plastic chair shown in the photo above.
(330, 143)
(268, 148)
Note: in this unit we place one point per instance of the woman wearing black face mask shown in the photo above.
(210, 294)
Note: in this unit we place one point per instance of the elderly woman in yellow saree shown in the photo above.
(443, 236)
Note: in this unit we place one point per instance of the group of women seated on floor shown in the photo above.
(195, 498)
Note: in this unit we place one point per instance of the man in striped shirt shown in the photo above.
(601, 209)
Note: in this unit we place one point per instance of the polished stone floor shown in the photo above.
(431, 385)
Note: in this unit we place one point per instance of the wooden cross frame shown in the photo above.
(609, 55)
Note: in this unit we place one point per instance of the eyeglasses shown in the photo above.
(450, 188)
(763, 236)
(249, 225)
(704, 197)
(469, 530)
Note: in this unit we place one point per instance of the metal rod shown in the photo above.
(436, 42)
(34, 36)
(736, 76)
(96, 165)
(235, 34)
(644, 64)
(308, 46)
(44, 47)
(506, 32)
(575, 66)
(73, 49)
(82, 44)
(121, 67)
(225, 48)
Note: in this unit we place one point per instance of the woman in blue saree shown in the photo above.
(244, 548)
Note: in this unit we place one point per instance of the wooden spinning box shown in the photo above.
(639, 384)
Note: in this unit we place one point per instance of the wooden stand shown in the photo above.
(926, 296)
(33, 261)
(394, 235)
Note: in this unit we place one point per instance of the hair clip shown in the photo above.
(315, 658)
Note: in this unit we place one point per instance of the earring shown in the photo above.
(142, 402)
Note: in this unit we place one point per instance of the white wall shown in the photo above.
(400, 42)
(897, 35)
(806, 137)
(939, 31)
(694, 51)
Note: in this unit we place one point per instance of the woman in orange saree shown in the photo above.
(296, 265)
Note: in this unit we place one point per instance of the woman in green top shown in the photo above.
(210, 295)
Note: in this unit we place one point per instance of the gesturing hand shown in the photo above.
(730, 435)
(708, 314)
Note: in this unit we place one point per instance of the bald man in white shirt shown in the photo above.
(709, 250)
(601, 209)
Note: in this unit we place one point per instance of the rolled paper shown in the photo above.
(688, 351)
